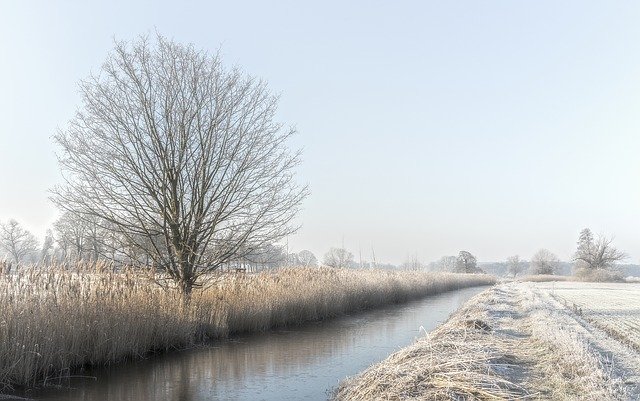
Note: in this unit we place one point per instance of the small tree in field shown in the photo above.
(544, 262)
(585, 246)
(514, 265)
(182, 159)
(596, 253)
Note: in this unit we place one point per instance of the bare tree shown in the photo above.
(307, 258)
(466, 263)
(514, 265)
(182, 158)
(584, 246)
(71, 235)
(445, 264)
(412, 263)
(269, 256)
(339, 257)
(46, 252)
(17, 242)
(544, 262)
(596, 253)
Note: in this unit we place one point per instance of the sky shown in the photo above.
(428, 127)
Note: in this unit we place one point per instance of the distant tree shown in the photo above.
(339, 258)
(445, 264)
(69, 233)
(544, 262)
(466, 263)
(272, 256)
(266, 257)
(584, 247)
(412, 263)
(17, 242)
(596, 253)
(81, 237)
(47, 250)
(384, 266)
(292, 259)
(182, 158)
(514, 265)
(307, 258)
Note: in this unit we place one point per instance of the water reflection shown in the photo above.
(302, 363)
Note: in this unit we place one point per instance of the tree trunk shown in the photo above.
(186, 288)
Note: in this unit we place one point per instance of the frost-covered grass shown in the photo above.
(613, 307)
(508, 343)
(54, 320)
(572, 366)
(459, 360)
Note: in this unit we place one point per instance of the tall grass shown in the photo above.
(54, 320)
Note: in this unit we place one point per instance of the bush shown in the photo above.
(599, 275)
(543, 278)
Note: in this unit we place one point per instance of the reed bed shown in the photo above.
(56, 320)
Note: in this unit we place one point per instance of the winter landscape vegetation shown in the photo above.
(184, 253)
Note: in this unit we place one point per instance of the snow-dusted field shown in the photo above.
(612, 307)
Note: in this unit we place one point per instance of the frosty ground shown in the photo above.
(557, 341)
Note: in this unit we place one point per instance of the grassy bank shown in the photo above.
(507, 343)
(54, 320)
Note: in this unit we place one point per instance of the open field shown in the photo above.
(54, 320)
(516, 341)
(612, 307)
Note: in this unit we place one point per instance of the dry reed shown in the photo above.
(55, 320)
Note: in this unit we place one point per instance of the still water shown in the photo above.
(304, 363)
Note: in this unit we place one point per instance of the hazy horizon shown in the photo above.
(427, 128)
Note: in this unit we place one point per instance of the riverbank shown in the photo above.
(56, 320)
(514, 341)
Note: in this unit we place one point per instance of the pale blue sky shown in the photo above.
(428, 127)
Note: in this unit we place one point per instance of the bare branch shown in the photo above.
(182, 159)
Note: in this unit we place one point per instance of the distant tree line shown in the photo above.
(73, 240)
(593, 255)
(465, 262)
